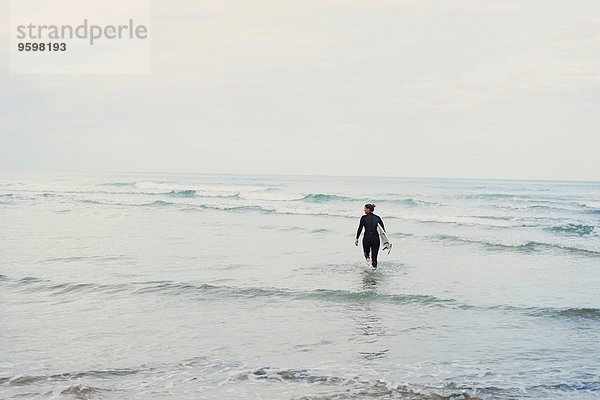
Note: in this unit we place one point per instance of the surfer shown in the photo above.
(369, 221)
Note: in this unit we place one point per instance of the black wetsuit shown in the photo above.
(371, 239)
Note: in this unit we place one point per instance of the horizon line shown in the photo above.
(297, 175)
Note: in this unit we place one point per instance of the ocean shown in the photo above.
(190, 286)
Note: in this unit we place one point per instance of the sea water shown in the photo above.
(150, 286)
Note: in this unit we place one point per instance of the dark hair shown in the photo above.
(370, 207)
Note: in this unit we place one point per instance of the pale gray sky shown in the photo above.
(493, 89)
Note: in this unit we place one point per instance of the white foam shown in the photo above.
(467, 220)
(268, 196)
(591, 204)
(202, 190)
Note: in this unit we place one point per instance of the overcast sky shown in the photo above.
(490, 89)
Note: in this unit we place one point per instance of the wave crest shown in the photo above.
(515, 245)
(322, 198)
(574, 229)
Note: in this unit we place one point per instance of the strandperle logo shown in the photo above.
(80, 37)
(85, 31)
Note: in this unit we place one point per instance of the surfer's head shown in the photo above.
(369, 208)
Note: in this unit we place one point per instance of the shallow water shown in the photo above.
(217, 286)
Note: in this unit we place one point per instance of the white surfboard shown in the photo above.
(383, 239)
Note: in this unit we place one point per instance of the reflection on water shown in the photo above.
(370, 280)
(368, 321)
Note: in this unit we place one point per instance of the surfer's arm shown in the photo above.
(383, 226)
(360, 227)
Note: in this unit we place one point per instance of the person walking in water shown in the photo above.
(369, 221)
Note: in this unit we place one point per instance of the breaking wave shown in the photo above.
(321, 198)
(21, 380)
(515, 244)
(182, 288)
(574, 229)
(586, 313)
(209, 291)
(591, 207)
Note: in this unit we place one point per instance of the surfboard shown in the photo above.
(383, 239)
